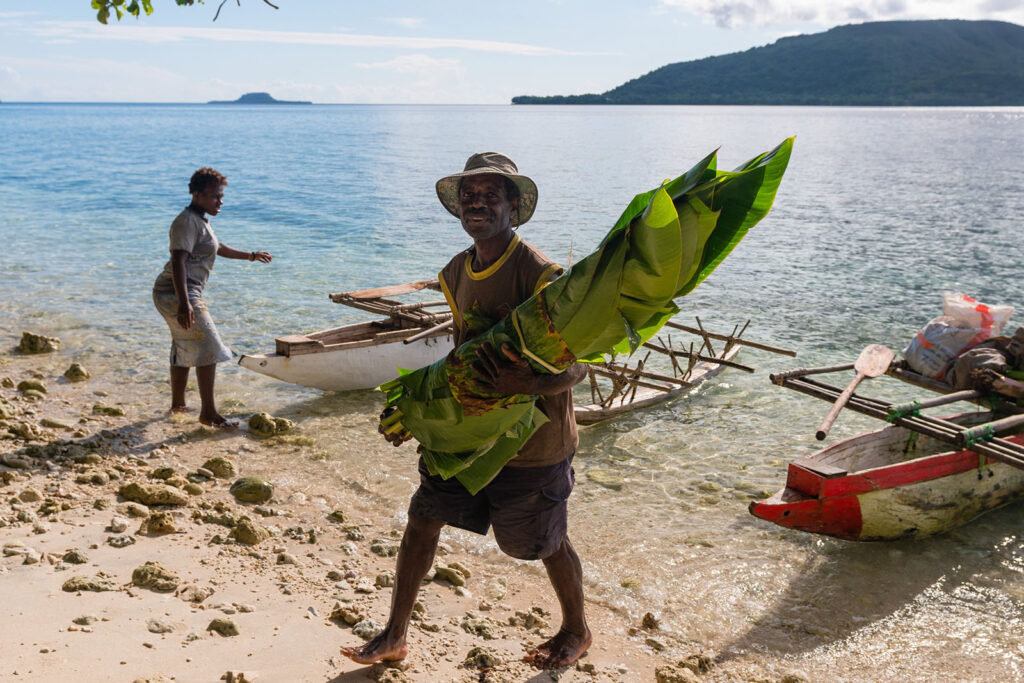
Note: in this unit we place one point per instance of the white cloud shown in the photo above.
(739, 13)
(418, 64)
(156, 34)
(70, 79)
(405, 22)
(9, 75)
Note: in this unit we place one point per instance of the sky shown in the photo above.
(403, 51)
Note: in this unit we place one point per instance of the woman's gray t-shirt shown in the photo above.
(190, 232)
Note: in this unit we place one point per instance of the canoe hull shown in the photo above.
(910, 497)
(347, 369)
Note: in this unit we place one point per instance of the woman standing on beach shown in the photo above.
(178, 290)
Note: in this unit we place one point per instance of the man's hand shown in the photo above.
(262, 256)
(392, 428)
(186, 316)
(506, 373)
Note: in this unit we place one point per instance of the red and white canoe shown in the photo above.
(887, 485)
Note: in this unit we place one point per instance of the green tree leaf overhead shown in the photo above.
(137, 7)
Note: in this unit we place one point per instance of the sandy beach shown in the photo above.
(97, 488)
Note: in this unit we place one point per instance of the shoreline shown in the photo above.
(61, 488)
(60, 493)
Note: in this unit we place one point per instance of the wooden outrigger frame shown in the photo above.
(984, 439)
(636, 387)
(406, 322)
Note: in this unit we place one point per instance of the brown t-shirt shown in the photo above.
(480, 299)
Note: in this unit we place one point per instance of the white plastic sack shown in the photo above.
(965, 323)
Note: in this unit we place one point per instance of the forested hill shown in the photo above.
(892, 63)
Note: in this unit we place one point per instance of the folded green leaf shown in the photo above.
(664, 244)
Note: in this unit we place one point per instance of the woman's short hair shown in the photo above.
(206, 178)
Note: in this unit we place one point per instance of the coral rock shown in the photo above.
(76, 373)
(222, 468)
(37, 343)
(224, 627)
(248, 532)
(265, 425)
(153, 494)
(154, 576)
(252, 490)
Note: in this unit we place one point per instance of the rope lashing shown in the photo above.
(984, 464)
(911, 442)
(912, 409)
(973, 436)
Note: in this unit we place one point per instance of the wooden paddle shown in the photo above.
(873, 361)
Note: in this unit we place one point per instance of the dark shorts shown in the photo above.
(527, 506)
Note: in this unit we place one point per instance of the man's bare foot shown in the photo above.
(182, 409)
(380, 649)
(562, 650)
(217, 421)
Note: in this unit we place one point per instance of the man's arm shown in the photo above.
(508, 373)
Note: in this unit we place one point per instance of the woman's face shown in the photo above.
(209, 200)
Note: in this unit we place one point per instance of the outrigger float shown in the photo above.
(618, 388)
(363, 355)
(919, 476)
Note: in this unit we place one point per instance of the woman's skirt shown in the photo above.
(200, 345)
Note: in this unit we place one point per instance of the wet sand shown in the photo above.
(739, 602)
(329, 552)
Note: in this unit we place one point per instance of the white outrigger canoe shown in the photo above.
(409, 336)
(362, 355)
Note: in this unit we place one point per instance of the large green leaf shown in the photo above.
(662, 246)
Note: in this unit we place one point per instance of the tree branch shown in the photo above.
(218, 9)
(119, 8)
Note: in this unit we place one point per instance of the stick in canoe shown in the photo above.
(873, 361)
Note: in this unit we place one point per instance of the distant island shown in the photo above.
(891, 63)
(257, 98)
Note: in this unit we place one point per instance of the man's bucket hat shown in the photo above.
(489, 162)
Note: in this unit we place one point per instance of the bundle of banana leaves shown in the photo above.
(666, 242)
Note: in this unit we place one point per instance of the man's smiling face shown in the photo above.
(484, 207)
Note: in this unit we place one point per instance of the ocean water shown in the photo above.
(881, 211)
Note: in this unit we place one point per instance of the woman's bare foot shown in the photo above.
(217, 421)
(562, 650)
(380, 649)
(182, 409)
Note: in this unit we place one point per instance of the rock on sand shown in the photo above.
(153, 494)
(249, 532)
(265, 424)
(224, 627)
(252, 490)
(37, 343)
(154, 576)
(76, 373)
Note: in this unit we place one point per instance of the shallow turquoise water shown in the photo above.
(881, 211)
